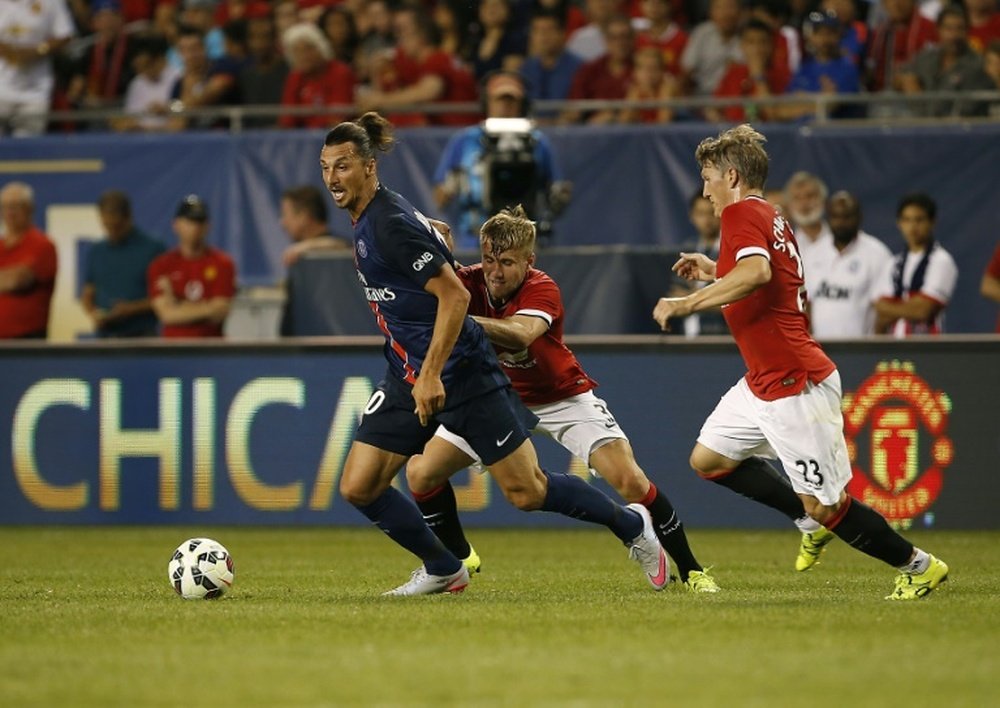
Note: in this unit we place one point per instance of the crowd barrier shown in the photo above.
(631, 186)
(220, 434)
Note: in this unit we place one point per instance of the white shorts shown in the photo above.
(805, 432)
(580, 423)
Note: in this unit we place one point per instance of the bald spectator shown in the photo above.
(27, 267)
(849, 277)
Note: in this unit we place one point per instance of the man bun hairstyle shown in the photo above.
(509, 230)
(740, 148)
(370, 134)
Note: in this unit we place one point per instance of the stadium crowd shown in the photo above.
(157, 60)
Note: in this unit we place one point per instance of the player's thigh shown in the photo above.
(731, 433)
(581, 424)
(444, 455)
(807, 432)
(494, 424)
(389, 423)
(368, 471)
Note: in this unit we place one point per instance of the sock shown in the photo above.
(571, 496)
(440, 511)
(400, 519)
(865, 529)
(757, 480)
(920, 563)
(670, 531)
(808, 524)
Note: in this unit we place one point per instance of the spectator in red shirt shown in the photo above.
(607, 77)
(419, 72)
(663, 33)
(27, 267)
(650, 81)
(316, 78)
(192, 286)
(990, 285)
(984, 23)
(757, 76)
(896, 42)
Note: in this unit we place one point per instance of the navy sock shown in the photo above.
(571, 496)
(867, 530)
(757, 480)
(401, 521)
(440, 510)
(670, 531)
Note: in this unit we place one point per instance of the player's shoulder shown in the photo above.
(539, 280)
(219, 256)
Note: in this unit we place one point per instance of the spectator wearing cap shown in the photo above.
(316, 78)
(949, 65)
(192, 286)
(459, 177)
(27, 267)
(825, 70)
(147, 100)
(114, 285)
(30, 34)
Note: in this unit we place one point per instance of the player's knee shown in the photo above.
(818, 511)
(632, 486)
(526, 495)
(357, 494)
(701, 466)
(417, 477)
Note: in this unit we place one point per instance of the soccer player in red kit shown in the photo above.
(192, 286)
(789, 403)
(520, 309)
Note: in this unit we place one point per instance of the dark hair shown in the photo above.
(371, 133)
(758, 25)
(993, 47)
(154, 44)
(424, 23)
(116, 202)
(550, 15)
(185, 30)
(309, 199)
(352, 31)
(921, 200)
(235, 31)
(953, 10)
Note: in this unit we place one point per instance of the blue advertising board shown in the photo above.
(258, 435)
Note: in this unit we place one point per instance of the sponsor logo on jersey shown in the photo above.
(901, 422)
(829, 291)
(423, 260)
(375, 294)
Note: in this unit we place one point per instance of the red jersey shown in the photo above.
(334, 86)
(547, 371)
(671, 45)
(193, 279)
(993, 269)
(981, 36)
(737, 82)
(27, 311)
(459, 86)
(769, 325)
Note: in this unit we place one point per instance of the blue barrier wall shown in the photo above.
(632, 183)
(224, 435)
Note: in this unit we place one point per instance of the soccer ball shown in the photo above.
(201, 569)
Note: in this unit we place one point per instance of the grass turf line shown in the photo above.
(87, 617)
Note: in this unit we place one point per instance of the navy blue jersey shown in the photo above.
(396, 251)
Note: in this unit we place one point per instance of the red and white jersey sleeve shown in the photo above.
(547, 371)
(770, 325)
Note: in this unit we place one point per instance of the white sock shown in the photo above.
(920, 563)
(807, 524)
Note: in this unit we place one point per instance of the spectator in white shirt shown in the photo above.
(588, 42)
(147, 98)
(848, 277)
(805, 199)
(30, 32)
(919, 282)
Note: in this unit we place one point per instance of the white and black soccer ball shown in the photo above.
(201, 569)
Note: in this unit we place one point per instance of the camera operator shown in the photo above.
(501, 162)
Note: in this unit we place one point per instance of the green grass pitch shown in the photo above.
(88, 618)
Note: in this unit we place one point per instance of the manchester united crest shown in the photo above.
(896, 430)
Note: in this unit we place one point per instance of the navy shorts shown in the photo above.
(494, 423)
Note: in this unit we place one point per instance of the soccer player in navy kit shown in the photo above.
(441, 369)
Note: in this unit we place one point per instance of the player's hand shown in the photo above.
(428, 394)
(695, 266)
(668, 307)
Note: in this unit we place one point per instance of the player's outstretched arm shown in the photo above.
(515, 332)
(453, 304)
(749, 274)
